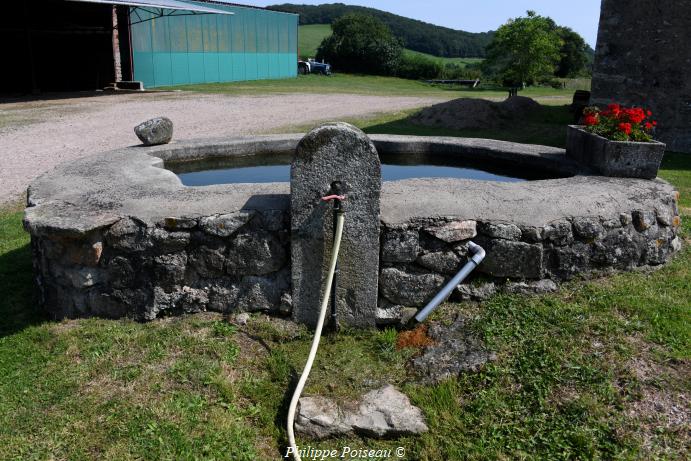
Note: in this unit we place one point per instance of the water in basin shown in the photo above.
(276, 168)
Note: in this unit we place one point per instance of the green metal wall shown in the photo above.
(251, 44)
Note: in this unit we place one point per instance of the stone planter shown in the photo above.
(614, 158)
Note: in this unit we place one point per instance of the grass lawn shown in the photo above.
(368, 85)
(545, 126)
(599, 370)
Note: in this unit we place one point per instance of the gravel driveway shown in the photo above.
(35, 136)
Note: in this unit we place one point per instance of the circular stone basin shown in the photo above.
(117, 234)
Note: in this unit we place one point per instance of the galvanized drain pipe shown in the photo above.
(478, 255)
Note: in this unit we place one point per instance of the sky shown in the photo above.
(479, 15)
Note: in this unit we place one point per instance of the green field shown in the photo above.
(310, 37)
(461, 61)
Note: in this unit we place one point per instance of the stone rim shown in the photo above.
(116, 182)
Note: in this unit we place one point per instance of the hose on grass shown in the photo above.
(317, 336)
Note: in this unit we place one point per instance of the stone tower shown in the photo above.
(643, 58)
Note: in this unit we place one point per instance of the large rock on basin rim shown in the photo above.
(158, 130)
(381, 413)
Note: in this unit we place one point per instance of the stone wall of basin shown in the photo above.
(240, 261)
(419, 257)
(224, 263)
(116, 234)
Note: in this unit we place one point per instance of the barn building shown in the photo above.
(71, 45)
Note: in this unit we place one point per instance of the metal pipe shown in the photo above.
(337, 210)
(337, 196)
(478, 255)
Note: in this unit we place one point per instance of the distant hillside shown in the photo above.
(310, 37)
(416, 35)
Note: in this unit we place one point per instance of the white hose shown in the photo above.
(317, 336)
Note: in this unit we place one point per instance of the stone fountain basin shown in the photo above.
(116, 234)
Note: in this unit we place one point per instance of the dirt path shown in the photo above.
(35, 136)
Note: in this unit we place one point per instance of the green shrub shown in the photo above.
(551, 81)
(361, 44)
(419, 67)
(453, 71)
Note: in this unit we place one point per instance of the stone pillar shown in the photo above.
(643, 58)
(329, 153)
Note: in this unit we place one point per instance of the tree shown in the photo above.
(574, 53)
(361, 43)
(524, 49)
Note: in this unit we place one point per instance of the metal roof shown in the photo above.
(165, 4)
(242, 5)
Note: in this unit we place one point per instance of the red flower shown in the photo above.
(614, 110)
(619, 122)
(638, 115)
(590, 119)
(634, 115)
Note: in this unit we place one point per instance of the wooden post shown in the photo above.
(117, 62)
